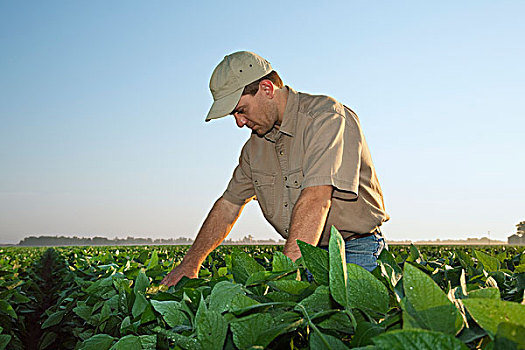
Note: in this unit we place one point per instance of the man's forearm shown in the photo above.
(308, 218)
(214, 230)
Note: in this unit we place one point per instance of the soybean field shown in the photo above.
(254, 297)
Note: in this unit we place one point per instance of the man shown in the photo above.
(306, 162)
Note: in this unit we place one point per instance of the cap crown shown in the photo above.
(236, 71)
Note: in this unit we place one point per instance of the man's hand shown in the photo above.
(214, 230)
(308, 218)
(177, 273)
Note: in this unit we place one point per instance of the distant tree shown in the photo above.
(247, 239)
(520, 228)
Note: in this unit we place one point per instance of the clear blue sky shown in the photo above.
(102, 108)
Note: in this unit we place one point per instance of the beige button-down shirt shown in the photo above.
(319, 142)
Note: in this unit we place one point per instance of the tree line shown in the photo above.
(98, 241)
(63, 240)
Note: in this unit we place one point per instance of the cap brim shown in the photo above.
(224, 106)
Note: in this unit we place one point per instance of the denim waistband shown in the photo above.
(354, 236)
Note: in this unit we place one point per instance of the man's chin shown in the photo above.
(260, 132)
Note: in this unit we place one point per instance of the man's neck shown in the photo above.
(282, 99)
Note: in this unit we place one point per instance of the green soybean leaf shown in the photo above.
(289, 286)
(490, 313)
(389, 267)
(105, 313)
(241, 301)
(154, 260)
(100, 287)
(339, 322)
(222, 295)
(465, 259)
(97, 342)
(171, 312)
(316, 261)
(127, 327)
(243, 265)
(386, 257)
(148, 342)
(6, 308)
(490, 293)
(148, 315)
(83, 311)
(4, 340)
(263, 277)
(414, 254)
(47, 340)
(140, 304)
(19, 298)
(53, 319)
(417, 339)
(427, 306)
(259, 306)
(472, 333)
(277, 296)
(320, 340)
(318, 301)
(249, 331)
(184, 342)
(211, 328)
(366, 292)
(281, 262)
(509, 336)
(222, 271)
(520, 268)
(338, 273)
(490, 263)
(258, 277)
(133, 342)
(365, 332)
(141, 283)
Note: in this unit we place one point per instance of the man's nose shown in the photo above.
(241, 121)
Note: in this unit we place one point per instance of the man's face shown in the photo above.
(256, 112)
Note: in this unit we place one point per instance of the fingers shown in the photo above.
(171, 279)
(176, 275)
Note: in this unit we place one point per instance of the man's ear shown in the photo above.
(267, 88)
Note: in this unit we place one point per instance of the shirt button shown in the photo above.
(286, 205)
(281, 153)
(285, 178)
(286, 230)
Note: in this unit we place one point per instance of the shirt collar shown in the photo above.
(289, 117)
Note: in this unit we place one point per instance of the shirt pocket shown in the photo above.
(264, 185)
(294, 184)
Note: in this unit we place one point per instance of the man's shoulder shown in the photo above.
(316, 106)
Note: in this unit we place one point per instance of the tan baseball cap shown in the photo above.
(229, 79)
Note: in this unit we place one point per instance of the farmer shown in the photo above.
(306, 162)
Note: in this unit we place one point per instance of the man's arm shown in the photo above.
(214, 230)
(308, 218)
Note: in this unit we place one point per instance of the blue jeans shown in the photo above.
(365, 251)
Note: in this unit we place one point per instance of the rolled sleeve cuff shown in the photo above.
(235, 200)
(345, 190)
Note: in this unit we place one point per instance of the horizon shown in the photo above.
(103, 104)
(228, 239)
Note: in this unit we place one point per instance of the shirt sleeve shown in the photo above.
(333, 146)
(240, 189)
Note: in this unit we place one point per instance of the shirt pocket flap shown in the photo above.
(294, 179)
(263, 179)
